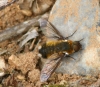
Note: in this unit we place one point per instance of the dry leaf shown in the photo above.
(28, 36)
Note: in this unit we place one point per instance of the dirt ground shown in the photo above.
(23, 67)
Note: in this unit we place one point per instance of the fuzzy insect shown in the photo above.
(55, 50)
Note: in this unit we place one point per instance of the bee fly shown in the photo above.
(55, 50)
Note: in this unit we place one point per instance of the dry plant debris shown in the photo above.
(23, 67)
(36, 7)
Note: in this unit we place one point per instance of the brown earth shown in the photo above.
(23, 67)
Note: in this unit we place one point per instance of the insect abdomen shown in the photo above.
(52, 47)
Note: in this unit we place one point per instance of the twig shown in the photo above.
(32, 44)
(18, 29)
(21, 28)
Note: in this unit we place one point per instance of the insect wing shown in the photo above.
(48, 68)
(49, 30)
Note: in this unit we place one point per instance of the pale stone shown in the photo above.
(24, 62)
(81, 15)
(2, 66)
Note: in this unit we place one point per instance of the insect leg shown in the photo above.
(80, 41)
(70, 35)
(70, 57)
(58, 38)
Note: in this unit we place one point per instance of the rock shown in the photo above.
(21, 77)
(36, 7)
(34, 75)
(24, 62)
(81, 15)
(2, 66)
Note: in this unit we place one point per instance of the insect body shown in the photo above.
(60, 46)
(55, 50)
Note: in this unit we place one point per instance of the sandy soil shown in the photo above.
(23, 68)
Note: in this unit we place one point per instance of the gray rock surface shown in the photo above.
(83, 16)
